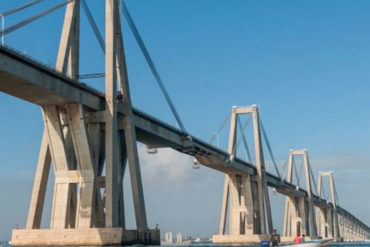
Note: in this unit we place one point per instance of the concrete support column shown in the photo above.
(129, 133)
(303, 216)
(305, 219)
(332, 218)
(249, 200)
(39, 186)
(84, 155)
(80, 150)
(61, 166)
(241, 206)
(321, 222)
(311, 210)
(329, 223)
(291, 219)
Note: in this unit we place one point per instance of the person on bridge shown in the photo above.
(275, 238)
(298, 238)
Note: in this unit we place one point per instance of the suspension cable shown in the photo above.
(33, 18)
(150, 62)
(244, 139)
(269, 148)
(12, 11)
(93, 25)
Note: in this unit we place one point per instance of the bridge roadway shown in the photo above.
(29, 80)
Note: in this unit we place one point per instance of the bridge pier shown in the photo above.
(296, 217)
(89, 158)
(299, 210)
(328, 217)
(326, 224)
(248, 195)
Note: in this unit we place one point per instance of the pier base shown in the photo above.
(84, 237)
(240, 239)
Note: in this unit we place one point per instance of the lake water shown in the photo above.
(344, 244)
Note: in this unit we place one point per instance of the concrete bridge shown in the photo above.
(90, 137)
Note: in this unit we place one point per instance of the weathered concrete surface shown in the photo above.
(28, 80)
(85, 237)
(240, 239)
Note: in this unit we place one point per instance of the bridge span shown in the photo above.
(90, 136)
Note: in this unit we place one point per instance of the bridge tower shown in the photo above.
(89, 158)
(327, 217)
(299, 210)
(248, 195)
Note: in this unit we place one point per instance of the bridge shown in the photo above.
(90, 137)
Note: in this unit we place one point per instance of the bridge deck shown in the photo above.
(29, 80)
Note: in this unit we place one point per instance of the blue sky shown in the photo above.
(306, 63)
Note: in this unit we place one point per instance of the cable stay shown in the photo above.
(143, 48)
(285, 166)
(101, 42)
(269, 149)
(313, 177)
(94, 26)
(98, 36)
(296, 173)
(15, 10)
(216, 134)
(244, 139)
(133, 28)
(150, 62)
(33, 18)
(243, 128)
(336, 195)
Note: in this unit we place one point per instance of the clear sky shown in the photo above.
(306, 63)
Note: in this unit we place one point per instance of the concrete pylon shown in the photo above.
(299, 211)
(328, 220)
(89, 158)
(249, 199)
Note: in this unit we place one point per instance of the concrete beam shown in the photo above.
(29, 80)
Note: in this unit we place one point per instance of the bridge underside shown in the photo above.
(28, 80)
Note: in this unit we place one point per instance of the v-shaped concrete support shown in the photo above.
(88, 156)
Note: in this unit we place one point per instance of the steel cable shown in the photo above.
(269, 148)
(296, 172)
(150, 62)
(285, 166)
(32, 18)
(12, 11)
(242, 132)
(312, 175)
(93, 25)
(220, 128)
(244, 139)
